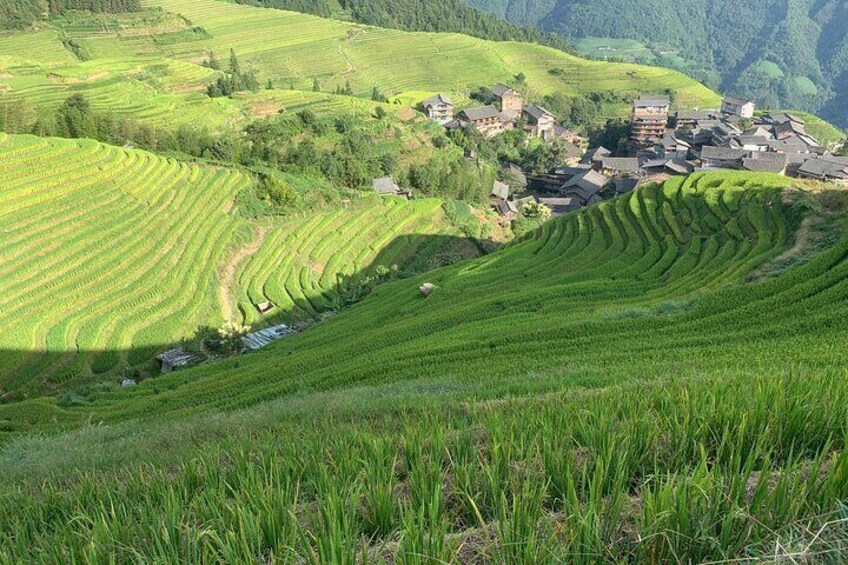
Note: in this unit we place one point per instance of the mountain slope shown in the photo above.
(111, 255)
(710, 312)
(150, 70)
(784, 53)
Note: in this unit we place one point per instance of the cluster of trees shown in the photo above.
(338, 153)
(421, 15)
(235, 79)
(20, 14)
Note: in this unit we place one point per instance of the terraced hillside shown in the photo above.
(105, 249)
(111, 254)
(151, 72)
(710, 312)
(309, 265)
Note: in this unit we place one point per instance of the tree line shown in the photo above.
(20, 14)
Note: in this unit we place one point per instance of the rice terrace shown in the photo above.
(372, 281)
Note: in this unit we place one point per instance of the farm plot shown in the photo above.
(308, 266)
(104, 250)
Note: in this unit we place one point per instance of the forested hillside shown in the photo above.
(417, 15)
(18, 14)
(783, 53)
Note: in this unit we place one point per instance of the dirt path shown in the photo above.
(226, 295)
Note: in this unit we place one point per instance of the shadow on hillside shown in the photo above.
(77, 373)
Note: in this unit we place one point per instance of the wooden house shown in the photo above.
(386, 186)
(509, 100)
(439, 108)
(540, 122)
(174, 359)
(649, 119)
(487, 120)
(733, 106)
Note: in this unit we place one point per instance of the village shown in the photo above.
(661, 144)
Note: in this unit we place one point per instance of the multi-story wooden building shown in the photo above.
(509, 100)
(649, 121)
(740, 107)
(439, 108)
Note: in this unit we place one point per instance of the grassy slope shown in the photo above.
(74, 303)
(689, 280)
(154, 74)
(664, 262)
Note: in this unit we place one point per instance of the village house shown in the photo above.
(649, 120)
(693, 118)
(586, 187)
(439, 108)
(830, 169)
(617, 166)
(487, 120)
(540, 122)
(560, 206)
(386, 186)
(594, 157)
(722, 157)
(733, 106)
(509, 100)
(174, 359)
(762, 162)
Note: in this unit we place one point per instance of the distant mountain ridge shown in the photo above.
(784, 53)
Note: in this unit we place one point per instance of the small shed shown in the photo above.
(174, 359)
(261, 338)
(265, 307)
(500, 190)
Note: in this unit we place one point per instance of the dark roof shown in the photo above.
(596, 154)
(482, 113)
(783, 117)
(737, 101)
(500, 189)
(697, 115)
(437, 100)
(621, 164)
(671, 164)
(824, 169)
(765, 162)
(626, 184)
(560, 206)
(517, 173)
(537, 112)
(504, 207)
(385, 185)
(500, 90)
(585, 184)
(723, 153)
(651, 100)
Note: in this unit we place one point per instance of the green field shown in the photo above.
(111, 254)
(150, 70)
(659, 378)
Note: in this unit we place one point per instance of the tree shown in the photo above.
(212, 62)
(229, 336)
(316, 86)
(235, 68)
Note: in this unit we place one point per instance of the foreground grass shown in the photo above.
(672, 471)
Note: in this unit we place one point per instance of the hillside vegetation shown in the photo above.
(148, 67)
(709, 313)
(111, 254)
(780, 52)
